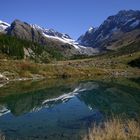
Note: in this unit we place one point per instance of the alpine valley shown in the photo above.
(30, 51)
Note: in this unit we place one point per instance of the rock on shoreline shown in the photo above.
(3, 78)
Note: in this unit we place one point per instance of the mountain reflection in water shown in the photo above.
(59, 109)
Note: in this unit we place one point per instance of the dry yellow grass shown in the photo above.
(96, 66)
(115, 129)
(2, 136)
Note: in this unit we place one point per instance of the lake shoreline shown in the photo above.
(40, 78)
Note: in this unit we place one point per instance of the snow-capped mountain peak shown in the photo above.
(36, 27)
(90, 29)
(39, 32)
(50, 32)
(55, 35)
(113, 28)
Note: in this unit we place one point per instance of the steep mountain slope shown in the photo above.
(16, 48)
(66, 39)
(115, 32)
(24, 31)
(51, 33)
(47, 37)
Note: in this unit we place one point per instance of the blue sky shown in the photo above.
(69, 16)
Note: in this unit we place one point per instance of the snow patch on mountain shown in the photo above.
(64, 40)
(135, 24)
(130, 20)
(3, 26)
(36, 27)
(90, 29)
(114, 30)
(62, 37)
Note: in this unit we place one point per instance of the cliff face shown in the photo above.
(24, 31)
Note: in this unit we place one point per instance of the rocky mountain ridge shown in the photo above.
(115, 31)
(48, 37)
